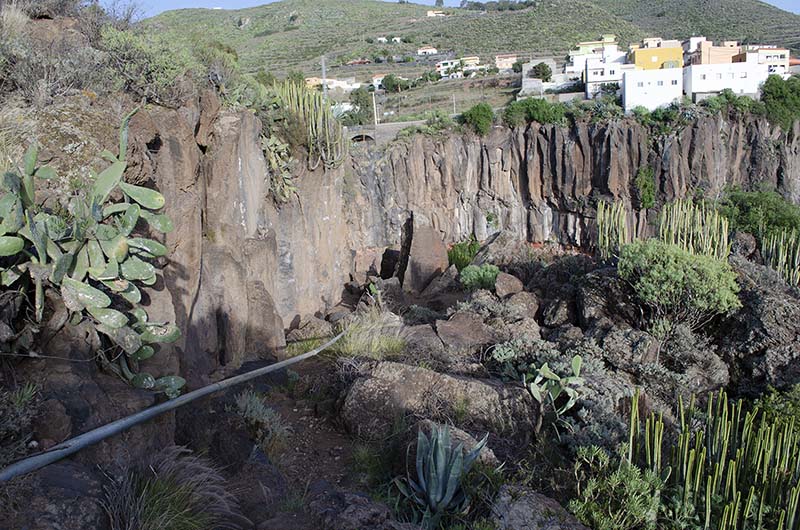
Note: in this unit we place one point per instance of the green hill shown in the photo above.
(295, 33)
(749, 21)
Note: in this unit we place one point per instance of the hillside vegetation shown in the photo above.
(295, 33)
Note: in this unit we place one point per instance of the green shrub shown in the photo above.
(479, 118)
(267, 426)
(372, 333)
(475, 277)
(461, 254)
(759, 212)
(173, 490)
(533, 110)
(614, 494)
(675, 286)
(782, 408)
(542, 71)
(144, 65)
(646, 186)
(781, 100)
(91, 253)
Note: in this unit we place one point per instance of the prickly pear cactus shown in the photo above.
(93, 255)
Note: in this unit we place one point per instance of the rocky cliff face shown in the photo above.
(244, 268)
(543, 182)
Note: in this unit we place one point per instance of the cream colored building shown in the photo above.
(505, 61)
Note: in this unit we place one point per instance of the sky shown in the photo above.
(153, 7)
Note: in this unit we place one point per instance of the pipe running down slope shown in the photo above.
(65, 449)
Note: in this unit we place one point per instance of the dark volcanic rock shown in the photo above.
(423, 255)
(518, 508)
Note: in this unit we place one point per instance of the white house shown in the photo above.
(377, 81)
(599, 73)
(427, 50)
(432, 14)
(651, 88)
(505, 61)
(701, 81)
(444, 68)
(382, 40)
(606, 49)
(397, 40)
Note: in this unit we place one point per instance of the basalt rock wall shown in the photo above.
(244, 268)
(543, 181)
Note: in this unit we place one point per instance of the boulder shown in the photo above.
(445, 283)
(559, 312)
(310, 327)
(62, 496)
(523, 305)
(743, 244)
(393, 390)
(503, 249)
(520, 508)
(507, 285)
(464, 332)
(259, 486)
(336, 509)
(423, 254)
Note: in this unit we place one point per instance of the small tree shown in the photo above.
(517, 67)
(675, 286)
(480, 118)
(646, 186)
(543, 71)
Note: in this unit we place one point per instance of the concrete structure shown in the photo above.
(343, 85)
(531, 86)
(472, 60)
(708, 53)
(397, 40)
(777, 59)
(606, 49)
(505, 61)
(599, 73)
(444, 68)
(432, 14)
(651, 88)
(701, 81)
(382, 40)
(427, 50)
(656, 53)
(377, 81)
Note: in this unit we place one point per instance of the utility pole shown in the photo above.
(375, 110)
(324, 79)
(454, 104)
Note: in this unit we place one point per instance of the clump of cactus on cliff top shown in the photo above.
(90, 252)
(781, 252)
(326, 142)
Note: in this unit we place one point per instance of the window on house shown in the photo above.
(719, 76)
(731, 75)
(661, 83)
(743, 75)
(611, 72)
(703, 77)
(654, 59)
(674, 82)
(640, 84)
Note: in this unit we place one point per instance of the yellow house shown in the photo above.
(657, 57)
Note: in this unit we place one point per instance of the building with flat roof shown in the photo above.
(656, 53)
(701, 81)
(651, 89)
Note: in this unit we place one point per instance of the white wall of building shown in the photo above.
(599, 73)
(700, 80)
(651, 88)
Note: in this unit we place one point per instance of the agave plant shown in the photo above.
(92, 255)
(441, 468)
